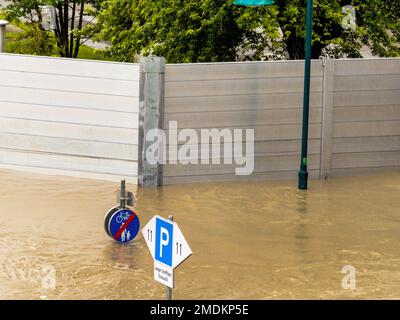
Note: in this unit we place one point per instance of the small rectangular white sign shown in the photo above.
(164, 274)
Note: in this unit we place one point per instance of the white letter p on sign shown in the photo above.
(164, 239)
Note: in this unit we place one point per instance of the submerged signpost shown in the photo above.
(168, 247)
(121, 223)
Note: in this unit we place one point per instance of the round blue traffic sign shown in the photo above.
(122, 224)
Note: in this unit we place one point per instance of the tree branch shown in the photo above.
(80, 23)
(71, 40)
(65, 28)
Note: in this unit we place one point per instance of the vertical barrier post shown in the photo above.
(327, 116)
(151, 116)
(3, 26)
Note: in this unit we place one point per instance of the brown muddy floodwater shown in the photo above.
(264, 240)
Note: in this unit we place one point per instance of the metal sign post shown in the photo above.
(121, 223)
(125, 198)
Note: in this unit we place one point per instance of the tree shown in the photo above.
(216, 30)
(31, 40)
(67, 22)
(377, 26)
(181, 31)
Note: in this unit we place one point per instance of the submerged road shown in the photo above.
(261, 240)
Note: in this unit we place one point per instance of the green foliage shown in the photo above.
(86, 52)
(28, 38)
(31, 40)
(68, 24)
(24, 8)
(376, 20)
(216, 30)
(185, 31)
(380, 24)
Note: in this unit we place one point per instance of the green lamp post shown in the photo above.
(303, 172)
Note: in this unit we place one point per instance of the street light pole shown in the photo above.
(303, 173)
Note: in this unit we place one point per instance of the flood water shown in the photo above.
(263, 240)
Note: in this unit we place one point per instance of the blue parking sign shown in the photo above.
(163, 243)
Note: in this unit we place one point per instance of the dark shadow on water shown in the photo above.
(301, 201)
(121, 255)
(301, 221)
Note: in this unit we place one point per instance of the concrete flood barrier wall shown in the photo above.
(366, 116)
(264, 96)
(354, 115)
(90, 119)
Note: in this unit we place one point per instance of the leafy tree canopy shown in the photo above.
(68, 20)
(216, 30)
